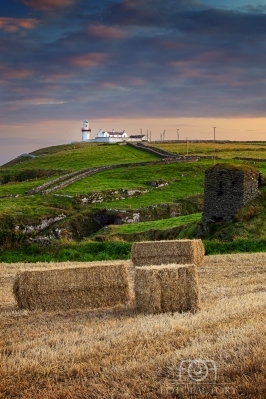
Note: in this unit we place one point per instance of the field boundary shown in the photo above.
(70, 178)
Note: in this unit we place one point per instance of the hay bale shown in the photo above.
(167, 252)
(168, 288)
(71, 288)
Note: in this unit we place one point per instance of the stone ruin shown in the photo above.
(227, 188)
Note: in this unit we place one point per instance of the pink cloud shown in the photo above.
(48, 5)
(108, 85)
(136, 82)
(88, 60)
(180, 63)
(17, 74)
(12, 73)
(194, 74)
(206, 58)
(106, 32)
(14, 24)
(173, 45)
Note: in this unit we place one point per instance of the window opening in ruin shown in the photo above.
(260, 180)
(233, 183)
(217, 219)
(220, 192)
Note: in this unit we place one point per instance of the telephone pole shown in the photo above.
(214, 134)
(177, 131)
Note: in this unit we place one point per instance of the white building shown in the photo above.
(138, 137)
(85, 131)
(104, 136)
(110, 137)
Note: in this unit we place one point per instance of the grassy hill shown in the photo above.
(161, 193)
(80, 156)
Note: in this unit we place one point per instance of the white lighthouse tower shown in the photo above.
(85, 131)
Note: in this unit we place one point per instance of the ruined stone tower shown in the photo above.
(227, 188)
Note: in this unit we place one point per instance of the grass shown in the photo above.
(224, 151)
(88, 251)
(70, 251)
(138, 177)
(120, 353)
(19, 188)
(76, 158)
(157, 224)
(184, 180)
(27, 210)
(237, 246)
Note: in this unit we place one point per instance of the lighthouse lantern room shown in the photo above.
(85, 131)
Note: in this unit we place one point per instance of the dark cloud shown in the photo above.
(130, 58)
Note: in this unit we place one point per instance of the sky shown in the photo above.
(129, 65)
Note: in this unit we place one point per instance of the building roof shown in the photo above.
(137, 136)
(115, 133)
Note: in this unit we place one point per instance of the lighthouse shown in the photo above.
(85, 131)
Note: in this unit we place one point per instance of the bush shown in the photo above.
(83, 252)
(237, 246)
(9, 238)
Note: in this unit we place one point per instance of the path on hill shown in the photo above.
(66, 180)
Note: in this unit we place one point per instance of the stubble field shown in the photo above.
(118, 353)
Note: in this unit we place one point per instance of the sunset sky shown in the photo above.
(130, 64)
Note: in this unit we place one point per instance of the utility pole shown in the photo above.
(187, 147)
(150, 135)
(163, 135)
(177, 131)
(214, 134)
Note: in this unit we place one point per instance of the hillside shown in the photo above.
(128, 186)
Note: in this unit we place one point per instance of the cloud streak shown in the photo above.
(15, 24)
(132, 58)
(48, 5)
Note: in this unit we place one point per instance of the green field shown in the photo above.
(19, 188)
(72, 158)
(156, 224)
(221, 150)
(184, 180)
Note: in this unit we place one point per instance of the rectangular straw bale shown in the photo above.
(168, 288)
(166, 252)
(71, 288)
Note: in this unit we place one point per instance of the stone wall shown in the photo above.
(66, 180)
(227, 188)
(154, 150)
